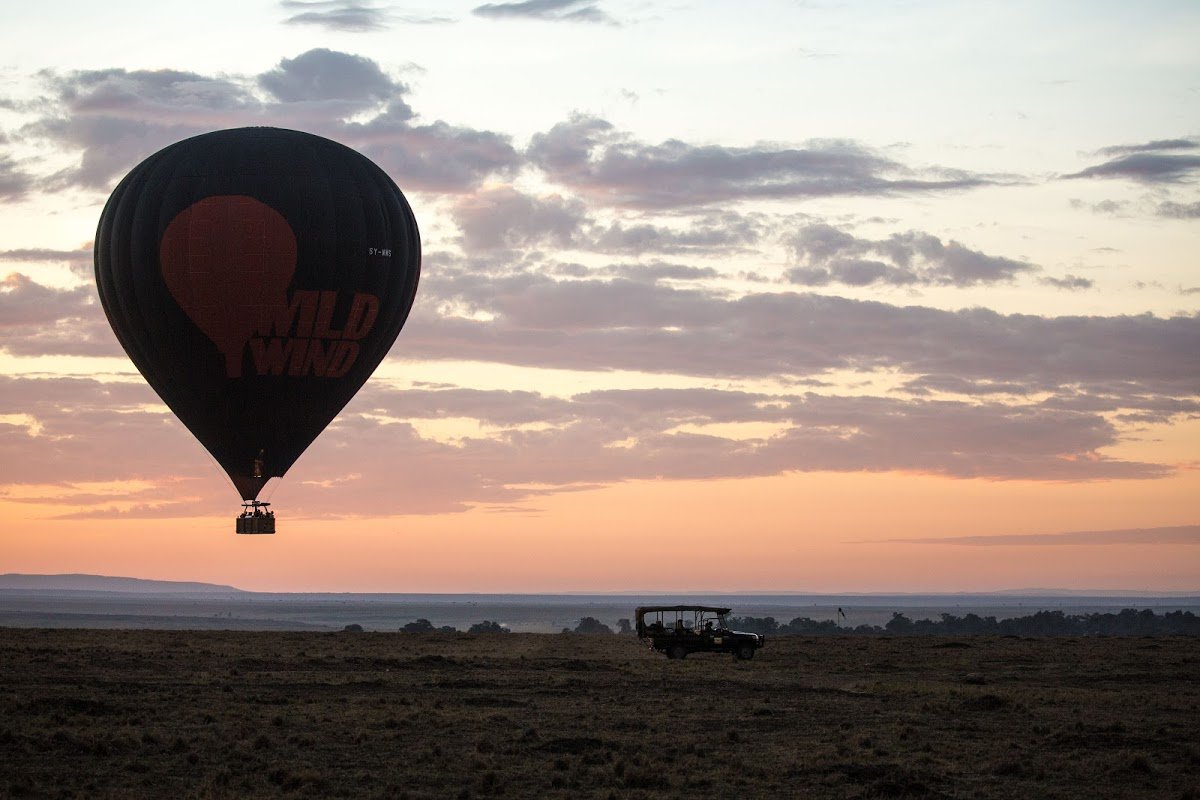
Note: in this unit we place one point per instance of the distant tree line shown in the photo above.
(591, 625)
(1127, 622)
(587, 625)
(425, 626)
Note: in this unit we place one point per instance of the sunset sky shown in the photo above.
(776, 296)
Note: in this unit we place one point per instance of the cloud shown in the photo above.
(502, 217)
(1067, 282)
(1113, 207)
(1115, 399)
(15, 182)
(589, 155)
(596, 324)
(1173, 535)
(1145, 167)
(724, 232)
(1151, 162)
(348, 16)
(1169, 209)
(114, 118)
(646, 272)
(24, 302)
(1137, 405)
(1156, 145)
(661, 271)
(80, 261)
(80, 423)
(323, 75)
(57, 436)
(1173, 210)
(829, 255)
(950, 384)
(552, 10)
(637, 319)
(438, 157)
(39, 320)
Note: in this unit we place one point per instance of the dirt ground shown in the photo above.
(181, 714)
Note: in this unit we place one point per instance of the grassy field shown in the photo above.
(236, 714)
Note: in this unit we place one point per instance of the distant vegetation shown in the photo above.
(1129, 622)
(587, 625)
(1043, 623)
(591, 625)
(425, 626)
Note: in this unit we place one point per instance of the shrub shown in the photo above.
(592, 625)
(418, 626)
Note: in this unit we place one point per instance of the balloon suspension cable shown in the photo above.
(270, 487)
(220, 470)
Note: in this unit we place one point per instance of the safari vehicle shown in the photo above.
(680, 630)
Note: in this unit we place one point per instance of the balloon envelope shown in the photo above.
(256, 277)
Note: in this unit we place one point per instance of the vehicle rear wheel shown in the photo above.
(678, 652)
(745, 652)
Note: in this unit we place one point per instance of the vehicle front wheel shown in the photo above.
(745, 652)
(677, 652)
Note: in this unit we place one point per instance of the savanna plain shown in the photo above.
(132, 714)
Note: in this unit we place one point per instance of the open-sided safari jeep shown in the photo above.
(680, 630)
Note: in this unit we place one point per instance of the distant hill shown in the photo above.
(104, 583)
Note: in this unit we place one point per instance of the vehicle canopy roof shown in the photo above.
(641, 610)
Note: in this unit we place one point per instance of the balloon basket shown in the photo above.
(256, 518)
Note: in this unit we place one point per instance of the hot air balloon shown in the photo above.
(256, 277)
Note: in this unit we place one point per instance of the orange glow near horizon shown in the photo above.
(813, 532)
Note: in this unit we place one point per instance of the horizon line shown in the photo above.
(1011, 592)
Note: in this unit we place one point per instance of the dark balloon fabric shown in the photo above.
(256, 277)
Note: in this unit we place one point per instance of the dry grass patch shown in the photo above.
(134, 714)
